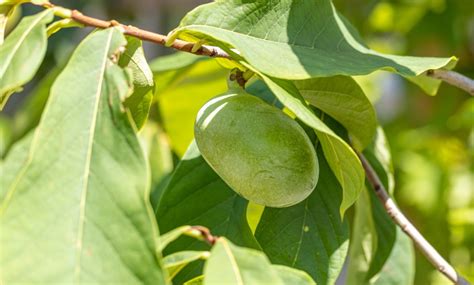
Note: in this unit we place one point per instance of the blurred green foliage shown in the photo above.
(432, 138)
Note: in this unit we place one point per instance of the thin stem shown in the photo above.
(148, 36)
(453, 78)
(399, 218)
(450, 77)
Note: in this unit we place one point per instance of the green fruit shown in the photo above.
(260, 152)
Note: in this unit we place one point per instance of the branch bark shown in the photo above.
(180, 45)
(399, 218)
(450, 77)
(453, 78)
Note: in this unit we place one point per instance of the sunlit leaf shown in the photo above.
(195, 281)
(343, 99)
(293, 276)
(180, 102)
(22, 53)
(173, 235)
(28, 114)
(13, 162)
(230, 264)
(309, 38)
(64, 216)
(169, 68)
(174, 262)
(310, 235)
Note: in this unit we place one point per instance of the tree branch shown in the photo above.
(148, 36)
(399, 218)
(450, 77)
(453, 78)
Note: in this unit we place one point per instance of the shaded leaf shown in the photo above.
(139, 102)
(343, 99)
(174, 262)
(160, 157)
(22, 53)
(310, 38)
(64, 215)
(310, 235)
(340, 156)
(399, 269)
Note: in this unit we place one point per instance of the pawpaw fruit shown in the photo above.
(259, 151)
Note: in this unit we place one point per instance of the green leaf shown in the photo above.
(182, 99)
(13, 162)
(310, 235)
(378, 154)
(341, 158)
(169, 68)
(374, 233)
(195, 281)
(22, 53)
(160, 157)
(343, 99)
(380, 252)
(196, 195)
(399, 269)
(139, 102)
(12, 2)
(173, 235)
(230, 264)
(173, 263)
(6, 135)
(29, 113)
(292, 276)
(65, 219)
(310, 38)
(174, 62)
(5, 12)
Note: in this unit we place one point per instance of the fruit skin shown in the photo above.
(260, 152)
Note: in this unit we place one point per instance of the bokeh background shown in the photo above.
(431, 138)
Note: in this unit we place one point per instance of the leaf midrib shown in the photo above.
(189, 27)
(87, 168)
(233, 262)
